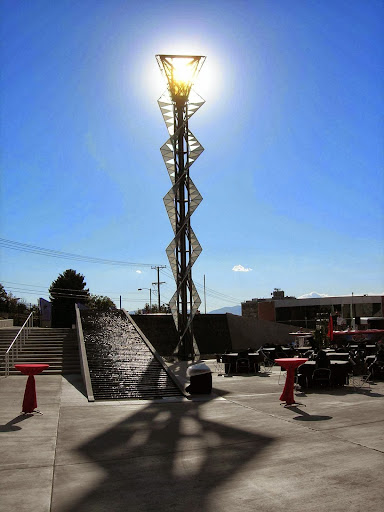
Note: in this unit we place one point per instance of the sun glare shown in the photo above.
(183, 70)
(180, 72)
(209, 83)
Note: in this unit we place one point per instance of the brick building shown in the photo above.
(363, 310)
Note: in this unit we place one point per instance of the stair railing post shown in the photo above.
(17, 343)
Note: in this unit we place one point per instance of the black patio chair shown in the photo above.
(322, 377)
(242, 365)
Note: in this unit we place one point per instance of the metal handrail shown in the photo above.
(18, 342)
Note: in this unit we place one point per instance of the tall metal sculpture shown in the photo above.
(177, 106)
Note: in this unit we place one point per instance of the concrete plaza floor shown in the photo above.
(237, 449)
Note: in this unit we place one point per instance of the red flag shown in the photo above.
(330, 328)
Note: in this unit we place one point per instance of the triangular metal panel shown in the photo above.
(195, 101)
(169, 203)
(196, 247)
(174, 311)
(195, 197)
(170, 251)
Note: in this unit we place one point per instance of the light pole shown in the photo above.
(150, 296)
(177, 105)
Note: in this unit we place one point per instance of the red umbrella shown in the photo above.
(330, 328)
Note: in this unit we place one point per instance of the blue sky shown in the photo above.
(292, 172)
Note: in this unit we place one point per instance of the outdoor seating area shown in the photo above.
(330, 367)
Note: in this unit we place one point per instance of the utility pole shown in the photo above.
(120, 301)
(205, 298)
(158, 267)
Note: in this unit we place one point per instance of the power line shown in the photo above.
(210, 292)
(18, 246)
(63, 292)
(46, 288)
(74, 295)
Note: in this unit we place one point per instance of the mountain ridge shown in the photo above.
(235, 310)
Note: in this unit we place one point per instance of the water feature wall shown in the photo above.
(121, 363)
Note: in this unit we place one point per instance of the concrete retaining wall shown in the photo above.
(211, 332)
(250, 332)
(6, 323)
(214, 334)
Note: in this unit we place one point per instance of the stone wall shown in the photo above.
(211, 332)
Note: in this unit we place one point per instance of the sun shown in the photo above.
(180, 72)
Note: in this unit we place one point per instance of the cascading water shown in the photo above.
(121, 364)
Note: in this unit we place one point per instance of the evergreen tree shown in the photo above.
(3, 299)
(67, 290)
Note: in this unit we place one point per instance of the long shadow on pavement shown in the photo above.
(11, 425)
(164, 457)
(304, 416)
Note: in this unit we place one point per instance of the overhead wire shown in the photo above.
(65, 292)
(213, 294)
(42, 287)
(19, 246)
(10, 244)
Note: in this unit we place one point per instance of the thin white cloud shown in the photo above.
(313, 295)
(139, 272)
(240, 268)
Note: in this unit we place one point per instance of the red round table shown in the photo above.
(30, 400)
(290, 364)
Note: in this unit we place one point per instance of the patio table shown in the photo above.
(338, 356)
(339, 372)
(290, 364)
(30, 399)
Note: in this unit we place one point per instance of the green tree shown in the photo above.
(12, 307)
(164, 308)
(100, 303)
(3, 299)
(66, 291)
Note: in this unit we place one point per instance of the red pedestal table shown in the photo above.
(290, 364)
(30, 400)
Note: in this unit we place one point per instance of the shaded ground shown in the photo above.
(237, 449)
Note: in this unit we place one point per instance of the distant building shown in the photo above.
(365, 311)
(45, 313)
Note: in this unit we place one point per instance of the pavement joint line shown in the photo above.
(119, 403)
(57, 435)
(354, 425)
(254, 394)
(160, 454)
(267, 413)
(322, 431)
(3, 467)
(353, 442)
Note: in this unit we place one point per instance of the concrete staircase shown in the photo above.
(56, 347)
(120, 361)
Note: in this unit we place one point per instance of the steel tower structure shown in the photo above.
(177, 105)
